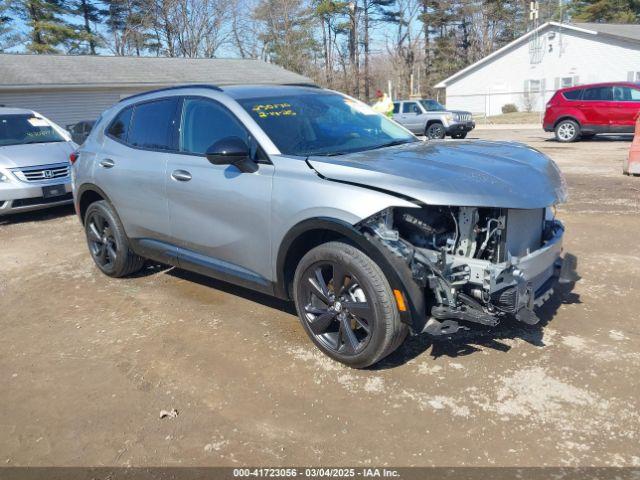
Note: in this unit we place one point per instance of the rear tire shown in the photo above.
(358, 323)
(567, 131)
(435, 131)
(108, 244)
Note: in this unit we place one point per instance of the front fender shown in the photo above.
(395, 270)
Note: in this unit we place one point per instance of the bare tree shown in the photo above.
(405, 45)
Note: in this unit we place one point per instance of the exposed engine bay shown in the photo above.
(475, 264)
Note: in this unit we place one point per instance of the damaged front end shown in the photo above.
(473, 265)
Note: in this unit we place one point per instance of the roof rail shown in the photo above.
(174, 87)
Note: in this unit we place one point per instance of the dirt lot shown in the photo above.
(88, 362)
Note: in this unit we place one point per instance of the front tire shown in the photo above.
(346, 305)
(567, 131)
(459, 136)
(435, 131)
(108, 244)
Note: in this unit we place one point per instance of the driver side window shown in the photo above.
(204, 122)
(410, 107)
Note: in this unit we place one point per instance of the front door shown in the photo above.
(411, 116)
(219, 216)
(625, 108)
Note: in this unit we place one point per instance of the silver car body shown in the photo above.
(27, 169)
(242, 226)
(413, 115)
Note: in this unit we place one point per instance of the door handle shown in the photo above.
(107, 163)
(181, 175)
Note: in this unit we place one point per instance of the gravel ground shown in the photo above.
(87, 362)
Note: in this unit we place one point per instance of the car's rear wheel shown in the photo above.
(459, 136)
(567, 131)
(435, 131)
(108, 245)
(346, 305)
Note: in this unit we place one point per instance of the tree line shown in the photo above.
(356, 46)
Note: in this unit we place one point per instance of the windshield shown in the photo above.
(323, 123)
(22, 129)
(432, 106)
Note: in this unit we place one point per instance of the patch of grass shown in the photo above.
(511, 118)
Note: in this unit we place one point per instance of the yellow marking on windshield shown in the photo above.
(274, 110)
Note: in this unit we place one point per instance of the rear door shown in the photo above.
(131, 166)
(597, 107)
(219, 216)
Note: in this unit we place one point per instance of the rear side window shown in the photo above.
(573, 95)
(119, 127)
(396, 107)
(153, 125)
(598, 94)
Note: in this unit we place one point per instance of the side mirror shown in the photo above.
(232, 151)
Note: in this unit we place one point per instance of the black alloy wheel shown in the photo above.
(435, 131)
(102, 242)
(108, 244)
(337, 310)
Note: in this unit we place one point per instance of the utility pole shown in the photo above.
(353, 45)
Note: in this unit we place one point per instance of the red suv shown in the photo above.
(584, 111)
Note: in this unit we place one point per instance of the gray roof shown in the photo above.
(622, 30)
(15, 111)
(23, 71)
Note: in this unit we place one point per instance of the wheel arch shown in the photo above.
(315, 231)
(432, 121)
(89, 193)
(567, 117)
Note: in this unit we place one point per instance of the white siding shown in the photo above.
(65, 106)
(588, 57)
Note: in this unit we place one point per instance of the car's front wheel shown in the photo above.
(108, 244)
(346, 305)
(459, 136)
(567, 131)
(435, 131)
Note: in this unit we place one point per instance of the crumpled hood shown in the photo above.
(12, 156)
(460, 173)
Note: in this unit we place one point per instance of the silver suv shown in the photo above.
(430, 118)
(34, 162)
(309, 195)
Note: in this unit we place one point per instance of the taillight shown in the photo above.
(73, 157)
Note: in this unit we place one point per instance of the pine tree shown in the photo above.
(287, 33)
(9, 37)
(90, 14)
(48, 29)
(606, 11)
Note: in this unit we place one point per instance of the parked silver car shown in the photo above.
(430, 118)
(34, 162)
(309, 195)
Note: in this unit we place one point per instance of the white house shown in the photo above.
(70, 88)
(527, 71)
